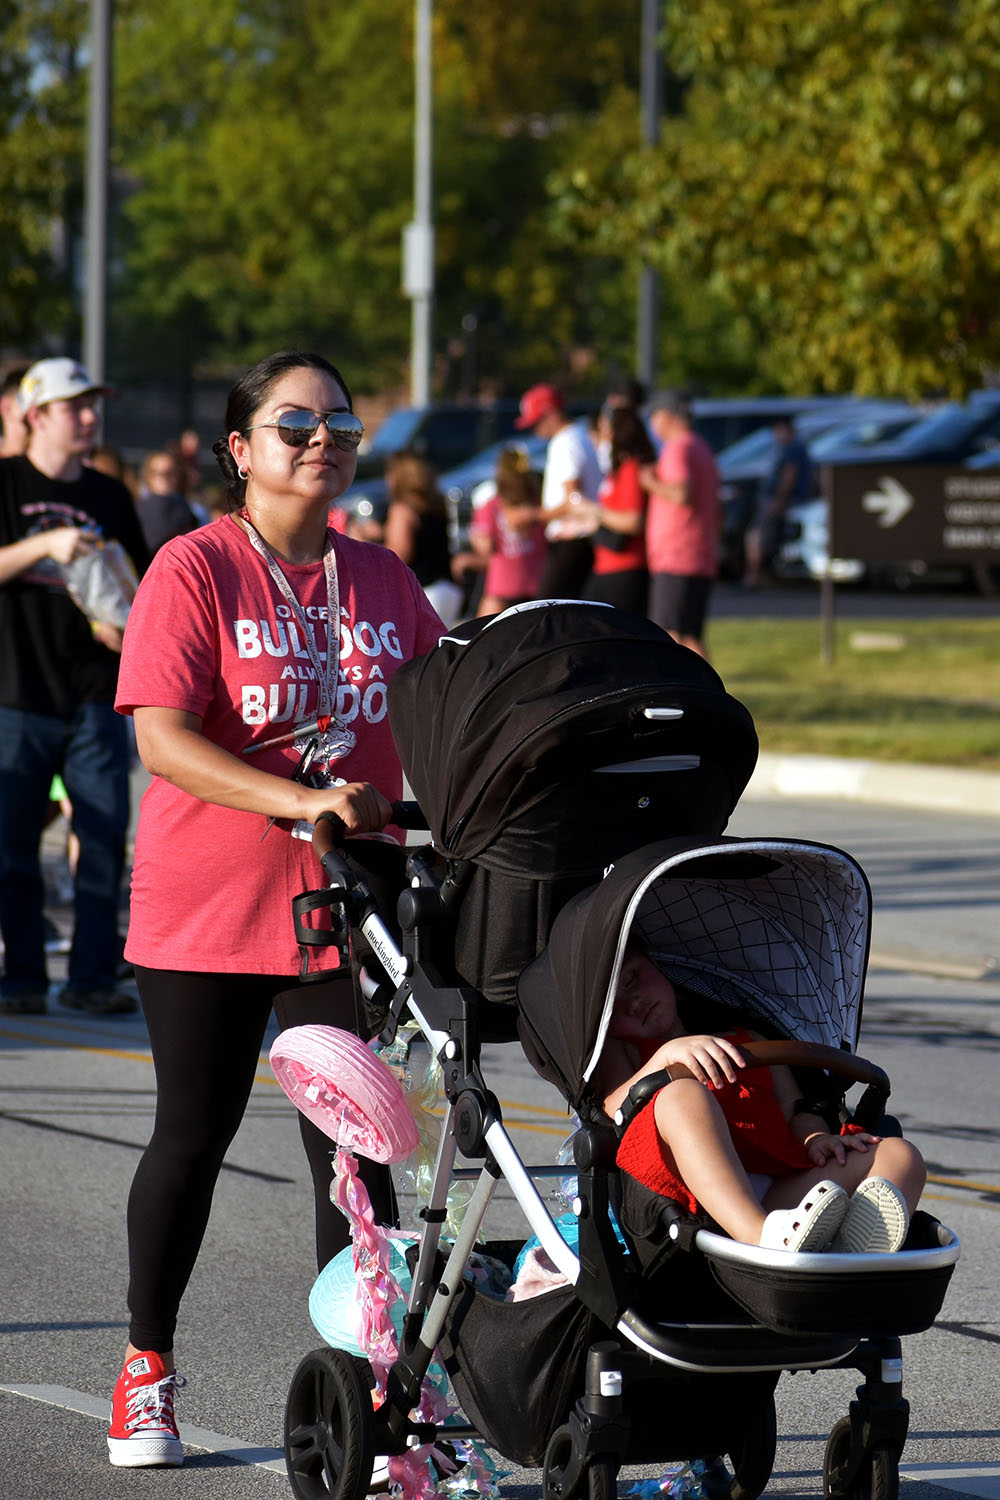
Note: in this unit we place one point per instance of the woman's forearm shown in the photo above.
(175, 749)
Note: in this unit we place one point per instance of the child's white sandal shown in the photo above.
(812, 1225)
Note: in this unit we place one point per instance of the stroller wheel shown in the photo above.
(602, 1479)
(560, 1476)
(563, 1477)
(752, 1463)
(329, 1427)
(877, 1475)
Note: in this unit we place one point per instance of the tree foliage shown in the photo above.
(832, 180)
(820, 209)
(41, 169)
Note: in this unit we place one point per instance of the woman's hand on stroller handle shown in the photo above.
(356, 807)
(331, 827)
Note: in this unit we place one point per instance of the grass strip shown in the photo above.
(923, 691)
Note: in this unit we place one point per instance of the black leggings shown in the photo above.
(206, 1033)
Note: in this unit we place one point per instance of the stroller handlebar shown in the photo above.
(761, 1054)
(814, 1055)
(870, 1107)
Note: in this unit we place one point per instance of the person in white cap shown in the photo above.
(57, 686)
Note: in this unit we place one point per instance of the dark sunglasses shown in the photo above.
(296, 427)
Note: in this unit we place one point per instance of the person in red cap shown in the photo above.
(572, 475)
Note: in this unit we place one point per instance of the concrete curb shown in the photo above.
(940, 968)
(941, 788)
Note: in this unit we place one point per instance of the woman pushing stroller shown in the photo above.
(737, 1142)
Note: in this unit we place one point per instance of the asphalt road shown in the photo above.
(76, 1105)
(76, 1102)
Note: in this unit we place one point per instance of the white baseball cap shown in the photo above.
(57, 380)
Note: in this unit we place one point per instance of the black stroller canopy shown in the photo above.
(774, 929)
(545, 740)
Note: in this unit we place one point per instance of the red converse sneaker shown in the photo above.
(143, 1431)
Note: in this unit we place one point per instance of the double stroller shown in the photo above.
(577, 769)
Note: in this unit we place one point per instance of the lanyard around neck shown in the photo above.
(328, 675)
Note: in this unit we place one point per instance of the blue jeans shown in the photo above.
(90, 752)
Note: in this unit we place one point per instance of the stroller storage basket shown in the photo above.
(538, 1349)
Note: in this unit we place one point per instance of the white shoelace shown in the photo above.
(148, 1405)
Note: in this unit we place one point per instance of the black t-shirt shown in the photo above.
(432, 560)
(163, 517)
(50, 662)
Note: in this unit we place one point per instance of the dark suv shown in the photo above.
(444, 433)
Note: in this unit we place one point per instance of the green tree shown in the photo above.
(269, 172)
(832, 181)
(258, 213)
(41, 113)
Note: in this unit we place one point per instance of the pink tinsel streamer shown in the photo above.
(378, 1291)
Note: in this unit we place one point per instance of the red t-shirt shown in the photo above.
(210, 633)
(621, 491)
(684, 539)
(517, 558)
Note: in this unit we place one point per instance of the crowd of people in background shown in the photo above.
(625, 511)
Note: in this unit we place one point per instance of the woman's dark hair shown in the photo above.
(248, 396)
(629, 437)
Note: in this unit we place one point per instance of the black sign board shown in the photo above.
(932, 513)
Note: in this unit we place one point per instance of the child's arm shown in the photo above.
(709, 1059)
(821, 1144)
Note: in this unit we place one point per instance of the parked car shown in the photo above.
(803, 551)
(444, 433)
(723, 420)
(951, 433)
(964, 434)
(744, 467)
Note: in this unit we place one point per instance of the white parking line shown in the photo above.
(197, 1437)
(979, 1479)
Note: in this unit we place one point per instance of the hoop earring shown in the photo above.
(243, 472)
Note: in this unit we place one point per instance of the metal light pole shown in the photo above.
(418, 237)
(651, 105)
(96, 209)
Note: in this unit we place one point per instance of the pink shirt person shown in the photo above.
(684, 539)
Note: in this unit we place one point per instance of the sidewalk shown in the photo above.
(941, 788)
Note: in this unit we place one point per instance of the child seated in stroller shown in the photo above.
(738, 1143)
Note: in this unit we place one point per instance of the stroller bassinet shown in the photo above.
(666, 1340)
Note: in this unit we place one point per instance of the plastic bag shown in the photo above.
(102, 583)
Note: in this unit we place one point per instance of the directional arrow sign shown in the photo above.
(932, 513)
(889, 504)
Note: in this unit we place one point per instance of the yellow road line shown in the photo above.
(508, 1106)
(105, 1051)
